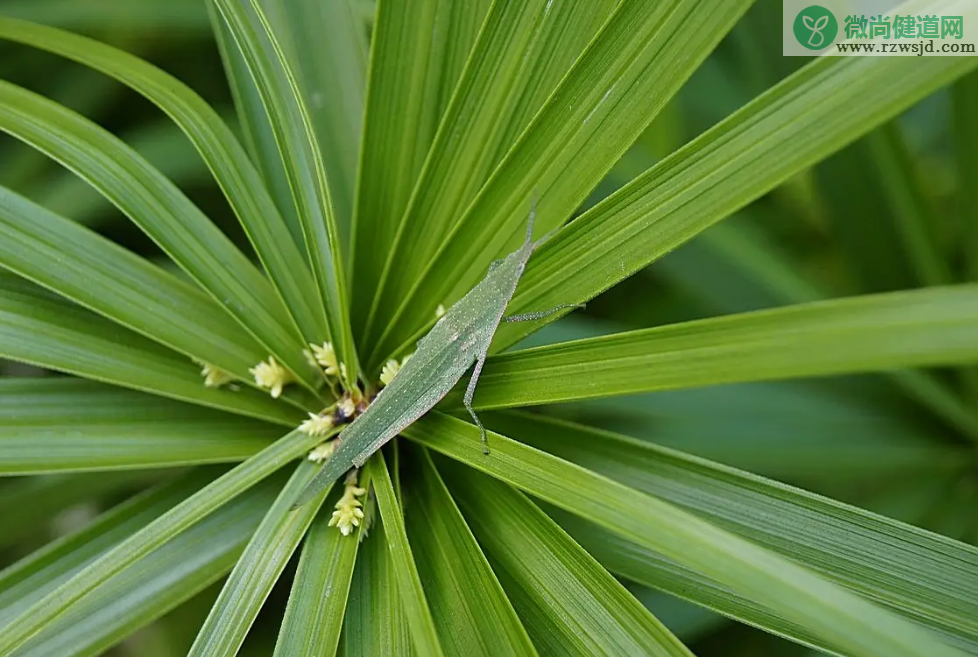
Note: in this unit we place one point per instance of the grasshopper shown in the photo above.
(458, 339)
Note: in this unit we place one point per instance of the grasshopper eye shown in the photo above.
(494, 264)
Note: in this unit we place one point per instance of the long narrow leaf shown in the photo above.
(801, 120)
(217, 145)
(522, 51)
(843, 620)
(303, 161)
(610, 95)
(418, 53)
(257, 570)
(315, 612)
(163, 212)
(571, 604)
(326, 45)
(934, 326)
(910, 206)
(373, 595)
(31, 503)
(416, 609)
(38, 328)
(923, 576)
(160, 582)
(98, 274)
(68, 424)
(469, 607)
(58, 602)
(30, 578)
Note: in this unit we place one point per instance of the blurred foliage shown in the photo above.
(892, 210)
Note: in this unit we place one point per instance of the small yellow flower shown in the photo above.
(349, 510)
(271, 376)
(215, 377)
(317, 425)
(346, 408)
(440, 311)
(320, 453)
(391, 368)
(326, 357)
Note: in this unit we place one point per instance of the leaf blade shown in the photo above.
(872, 332)
(320, 591)
(258, 568)
(303, 162)
(418, 54)
(66, 424)
(216, 144)
(600, 107)
(162, 211)
(731, 164)
(572, 603)
(468, 605)
(38, 328)
(416, 610)
(198, 506)
(923, 576)
(826, 609)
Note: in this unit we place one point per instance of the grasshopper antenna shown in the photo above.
(532, 218)
(529, 226)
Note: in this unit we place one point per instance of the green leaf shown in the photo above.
(152, 15)
(911, 208)
(257, 570)
(55, 424)
(850, 190)
(373, 595)
(844, 621)
(224, 156)
(770, 279)
(964, 104)
(38, 573)
(86, 92)
(162, 211)
(964, 96)
(161, 143)
(93, 271)
(416, 611)
(326, 42)
(195, 508)
(470, 609)
(793, 125)
(924, 577)
(38, 328)
(30, 503)
(302, 157)
(161, 581)
(419, 50)
(259, 138)
(610, 95)
(734, 266)
(326, 45)
(571, 605)
(934, 326)
(793, 431)
(320, 589)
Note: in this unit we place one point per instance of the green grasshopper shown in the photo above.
(461, 337)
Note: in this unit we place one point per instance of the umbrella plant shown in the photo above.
(378, 165)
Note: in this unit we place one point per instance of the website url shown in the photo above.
(920, 48)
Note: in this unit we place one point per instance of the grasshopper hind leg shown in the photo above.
(467, 400)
